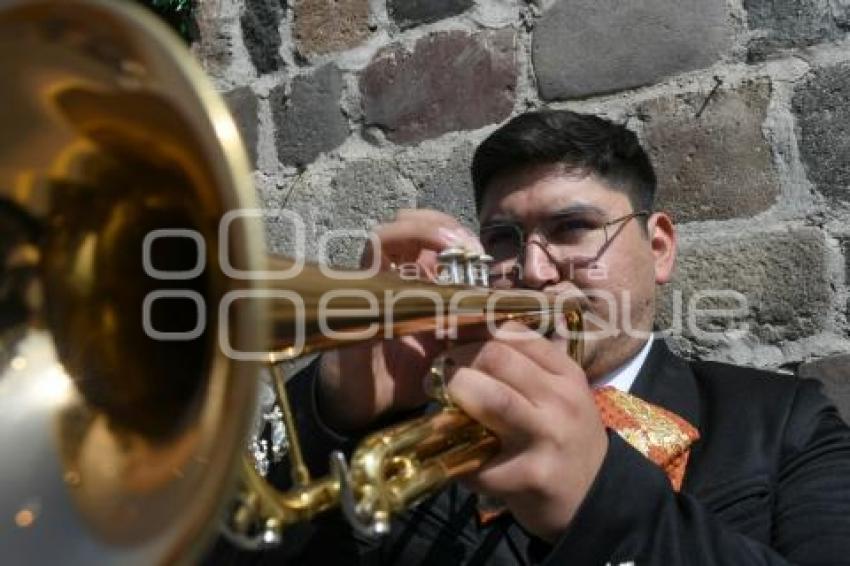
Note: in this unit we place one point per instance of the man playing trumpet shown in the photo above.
(565, 204)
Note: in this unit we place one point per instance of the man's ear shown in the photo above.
(663, 242)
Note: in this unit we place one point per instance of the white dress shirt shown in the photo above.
(624, 376)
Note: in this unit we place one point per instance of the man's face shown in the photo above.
(620, 283)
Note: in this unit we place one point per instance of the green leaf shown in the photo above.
(179, 14)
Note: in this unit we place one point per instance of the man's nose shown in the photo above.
(539, 271)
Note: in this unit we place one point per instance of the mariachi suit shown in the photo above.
(767, 483)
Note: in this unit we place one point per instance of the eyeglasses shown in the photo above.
(574, 238)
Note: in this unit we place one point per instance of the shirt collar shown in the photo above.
(624, 376)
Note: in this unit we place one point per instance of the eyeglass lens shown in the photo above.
(566, 237)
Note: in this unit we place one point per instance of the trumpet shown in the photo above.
(394, 468)
(137, 306)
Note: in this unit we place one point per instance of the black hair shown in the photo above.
(579, 142)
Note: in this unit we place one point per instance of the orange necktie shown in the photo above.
(661, 435)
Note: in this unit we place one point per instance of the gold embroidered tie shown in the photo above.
(661, 435)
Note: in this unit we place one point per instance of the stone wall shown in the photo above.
(352, 109)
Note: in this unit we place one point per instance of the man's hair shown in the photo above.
(580, 142)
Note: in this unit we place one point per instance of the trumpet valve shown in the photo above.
(470, 265)
(484, 263)
(451, 260)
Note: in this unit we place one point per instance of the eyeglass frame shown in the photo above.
(544, 245)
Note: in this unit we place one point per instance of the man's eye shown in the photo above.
(500, 242)
(567, 230)
(498, 236)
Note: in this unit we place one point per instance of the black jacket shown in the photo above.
(767, 483)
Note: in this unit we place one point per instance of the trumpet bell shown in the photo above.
(127, 361)
(120, 419)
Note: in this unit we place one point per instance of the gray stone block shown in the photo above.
(834, 373)
(450, 81)
(585, 47)
(822, 106)
(324, 26)
(243, 105)
(304, 198)
(410, 13)
(214, 45)
(845, 251)
(841, 13)
(260, 22)
(362, 194)
(782, 275)
(788, 23)
(446, 185)
(310, 122)
(719, 165)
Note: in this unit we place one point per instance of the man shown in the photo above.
(565, 203)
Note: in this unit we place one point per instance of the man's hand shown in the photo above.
(537, 401)
(360, 383)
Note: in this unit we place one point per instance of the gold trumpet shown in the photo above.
(391, 469)
(137, 306)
